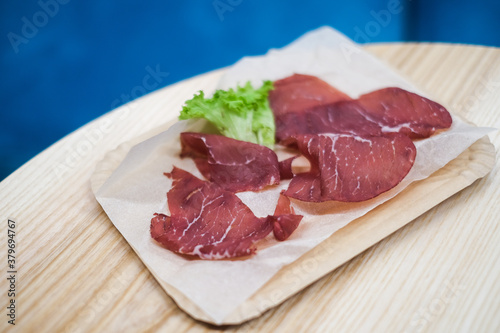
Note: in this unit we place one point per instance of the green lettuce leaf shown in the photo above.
(242, 114)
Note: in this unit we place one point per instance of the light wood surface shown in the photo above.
(439, 273)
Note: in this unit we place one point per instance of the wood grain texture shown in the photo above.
(438, 273)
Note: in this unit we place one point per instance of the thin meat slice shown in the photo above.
(293, 96)
(285, 167)
(233, 164)
(344, 117)
(351, 168)
(304, 104)
(284, 220)
(206, 220)
(299, 92)
(398, 110)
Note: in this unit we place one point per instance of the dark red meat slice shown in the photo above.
(351, 168)
(298, 92)
(397, 110)
(285, 167)
(234, 165)
(345, 117)
(284, 220)
(293, 96)
(304, 104)
(207, 221)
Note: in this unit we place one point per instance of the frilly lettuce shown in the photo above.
(242, 114)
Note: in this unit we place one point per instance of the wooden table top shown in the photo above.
(76, 273)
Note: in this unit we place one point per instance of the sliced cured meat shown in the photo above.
(345, 117)
(206, 220)
(285, 167)
(304, 104)
(398, 110)
(351, 168)
(285, 225)
(233, 164)
(299, 92)
(284, 220)
(293, 96)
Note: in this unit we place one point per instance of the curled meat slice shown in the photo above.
(285, 167)
(206, 220)
(299, 92)
(291, 99)
(351, 168)
(232, 164)
(284, 220)
(400, 111)
(345, 117)
(303, 104)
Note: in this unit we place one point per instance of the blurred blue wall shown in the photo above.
(66, 62)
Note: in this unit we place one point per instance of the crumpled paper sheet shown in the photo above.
(137, 189)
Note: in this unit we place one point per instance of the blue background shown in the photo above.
(66, 62)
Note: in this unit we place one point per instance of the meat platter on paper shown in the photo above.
(287, 149)
(356, 149)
